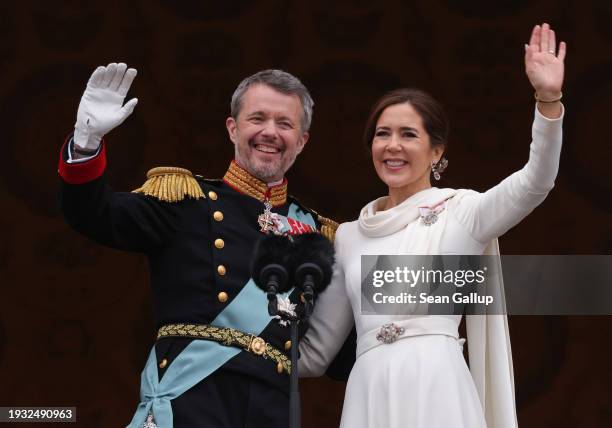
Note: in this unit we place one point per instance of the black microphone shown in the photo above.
(270, 267)
(314, 259)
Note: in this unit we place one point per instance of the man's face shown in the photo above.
(267, 134)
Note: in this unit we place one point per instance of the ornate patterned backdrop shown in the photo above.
(64, 299)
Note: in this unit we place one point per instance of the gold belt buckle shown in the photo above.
(258, 346)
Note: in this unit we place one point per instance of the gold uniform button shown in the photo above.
(218, 215)
(163, 364)
(221, 270)
(279, 368)
(287, 345)
(212, 195)
(219, 243)
(222, 296)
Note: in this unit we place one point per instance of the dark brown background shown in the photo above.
(63, 300)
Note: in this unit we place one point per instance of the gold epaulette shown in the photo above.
(170, 184)
(328, 228)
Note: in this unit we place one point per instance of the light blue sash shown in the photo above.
(247, 312)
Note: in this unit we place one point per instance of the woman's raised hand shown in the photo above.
(544, 63)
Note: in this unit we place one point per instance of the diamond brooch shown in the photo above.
(429, 215)
(389, 333)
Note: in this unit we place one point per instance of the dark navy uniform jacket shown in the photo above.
(199, 250)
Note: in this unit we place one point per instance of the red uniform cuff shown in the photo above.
(82, 172)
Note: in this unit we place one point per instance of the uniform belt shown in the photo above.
(228, 337)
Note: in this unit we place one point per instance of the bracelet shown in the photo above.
(535, 95)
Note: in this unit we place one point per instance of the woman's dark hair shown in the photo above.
(431, 111)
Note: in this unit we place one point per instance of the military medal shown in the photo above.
(277, 224)
(149, 423)
(264, 220)
(287, 308)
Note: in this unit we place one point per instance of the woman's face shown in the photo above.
(401, 149)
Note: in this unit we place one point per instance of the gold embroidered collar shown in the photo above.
(240, 180)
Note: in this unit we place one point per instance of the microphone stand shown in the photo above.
(309, 274)
(277, 258)
(294, 390)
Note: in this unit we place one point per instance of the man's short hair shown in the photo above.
(282, 82)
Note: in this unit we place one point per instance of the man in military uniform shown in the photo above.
(220, 360)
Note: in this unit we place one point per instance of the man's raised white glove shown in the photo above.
(101, 108)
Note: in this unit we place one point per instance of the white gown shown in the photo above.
(422, 380)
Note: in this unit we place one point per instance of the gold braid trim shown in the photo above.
(170, 184)
(241, 180)
(328, 228)
(228, 337)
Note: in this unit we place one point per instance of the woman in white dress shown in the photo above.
(420, 378)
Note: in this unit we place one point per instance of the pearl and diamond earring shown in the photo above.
(438, 167)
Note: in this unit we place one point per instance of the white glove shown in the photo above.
(101, 108)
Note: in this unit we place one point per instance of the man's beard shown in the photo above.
(265, 171)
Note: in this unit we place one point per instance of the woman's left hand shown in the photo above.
(543, 64)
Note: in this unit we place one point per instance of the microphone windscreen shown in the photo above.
(271, 249)
(315, 248)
